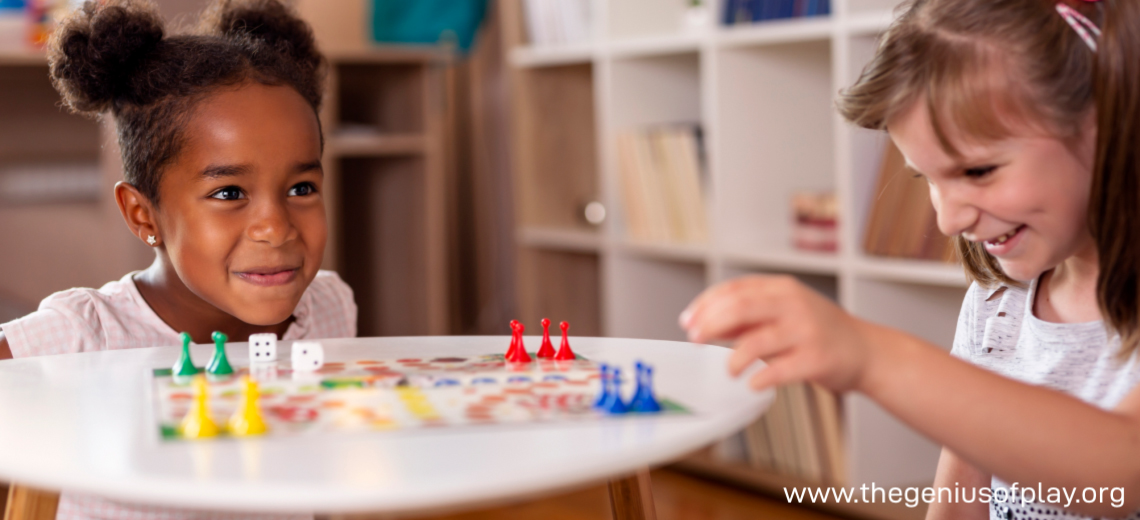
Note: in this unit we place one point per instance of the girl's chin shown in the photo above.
(1020, 270)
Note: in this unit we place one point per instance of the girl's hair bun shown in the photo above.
(265, 22)
(97, 49)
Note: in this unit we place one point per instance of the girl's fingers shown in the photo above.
(780, 371)
(728, 312)
(763, 342)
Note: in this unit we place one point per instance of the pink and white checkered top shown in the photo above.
(116, 317)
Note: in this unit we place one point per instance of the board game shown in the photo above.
(391, 394)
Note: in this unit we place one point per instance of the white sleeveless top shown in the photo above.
(116, 317)
(997, 331)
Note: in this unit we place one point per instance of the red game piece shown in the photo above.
(521, 355)
(547, 349)
(564, 352)
(514, 340)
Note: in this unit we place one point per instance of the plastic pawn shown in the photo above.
(219, 365)
(246, 420)
(197, 423)
(564, 352)
(546, 351)
(185, 366)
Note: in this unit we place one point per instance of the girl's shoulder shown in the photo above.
(327, 310)
(113, 316)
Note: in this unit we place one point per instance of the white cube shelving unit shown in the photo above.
(764, 95)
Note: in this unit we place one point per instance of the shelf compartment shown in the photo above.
(776, 32)
(368, 144)
(554, 239)
(383, 218)
(645, 296)
(634, 18)
(553, 55)
(858, 7)
(926, 272)
(31, 109)
(825, 284)
(676, 252)
(556, 164)
(656, 90)
(562, 286)
(387, 99)
(883, 449)
(649, 46)
(786, 259)
(869, 23)
(774, 138)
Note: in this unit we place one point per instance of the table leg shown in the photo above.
(631, 498)
(25, 503)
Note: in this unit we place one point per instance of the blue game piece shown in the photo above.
(600, 403)
(614, 405)
(643, 399)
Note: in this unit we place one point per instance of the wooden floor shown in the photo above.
(677, 496)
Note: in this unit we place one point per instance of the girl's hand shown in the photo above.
(798, 332)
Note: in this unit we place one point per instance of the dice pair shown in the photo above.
(307, 355)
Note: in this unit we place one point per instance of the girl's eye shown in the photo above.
(302, 189)
(228, 193)
(980, 171)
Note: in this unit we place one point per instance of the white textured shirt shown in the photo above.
(998, 331)
(114, 317)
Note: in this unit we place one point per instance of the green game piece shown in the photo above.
(185, 366)
(219, 365)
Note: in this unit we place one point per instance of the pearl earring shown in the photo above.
(151, 240)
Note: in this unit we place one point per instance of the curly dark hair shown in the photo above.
(115, 56)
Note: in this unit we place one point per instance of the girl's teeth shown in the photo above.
(1001, 240)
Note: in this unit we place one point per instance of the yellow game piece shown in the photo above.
(197, 423)
(246, 420)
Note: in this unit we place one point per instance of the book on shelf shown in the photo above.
(751, 11)
(903, 223)
(558, 22)
(660, 175)
(800, 435)
(814, 221)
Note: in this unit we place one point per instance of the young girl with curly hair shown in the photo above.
(1024, 118)
(221, 147)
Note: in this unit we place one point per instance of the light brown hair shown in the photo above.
(944, 52)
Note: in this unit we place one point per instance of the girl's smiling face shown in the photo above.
(1025, 197)
(240, 214)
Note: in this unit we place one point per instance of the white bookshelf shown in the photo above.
(764, 96)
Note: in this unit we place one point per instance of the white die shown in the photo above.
(308, 356)
(262, 348)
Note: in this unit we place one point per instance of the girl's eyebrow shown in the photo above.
(225, 170)
(310, 166)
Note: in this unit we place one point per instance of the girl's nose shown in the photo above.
(956, 214)
(271, 224)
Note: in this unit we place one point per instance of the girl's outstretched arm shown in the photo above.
(1019, 432)
(5, 351)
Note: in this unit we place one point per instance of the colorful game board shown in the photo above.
(379, 394)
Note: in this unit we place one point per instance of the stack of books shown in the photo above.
(800, 436)
(661, 184)
(814, 227)
(750, 11)
(903, 223)
(558, 22)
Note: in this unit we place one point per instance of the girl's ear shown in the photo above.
(138, 212)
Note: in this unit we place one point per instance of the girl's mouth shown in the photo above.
(1005, 243)
(269, 278)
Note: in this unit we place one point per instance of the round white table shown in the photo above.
(85, 423)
